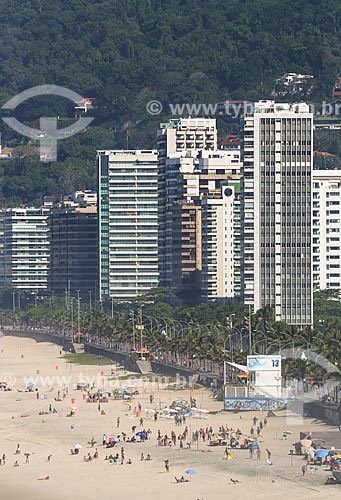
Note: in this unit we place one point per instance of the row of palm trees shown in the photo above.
(188, 341)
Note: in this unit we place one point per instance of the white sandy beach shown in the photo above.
(71, 477)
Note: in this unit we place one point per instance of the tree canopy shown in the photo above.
(124, 53)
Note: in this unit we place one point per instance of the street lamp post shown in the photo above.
(250, 331)
(141, 327)
(78, 311)
(72, 332)
(230, 328)
(90, 301)
(132, 315)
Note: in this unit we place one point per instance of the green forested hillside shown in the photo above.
(127, 52)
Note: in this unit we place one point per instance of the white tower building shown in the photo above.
(276, 210)
(326, 229)
(128, 225)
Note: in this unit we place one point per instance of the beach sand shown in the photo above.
(71, 477)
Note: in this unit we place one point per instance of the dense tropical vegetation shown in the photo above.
(124, 53)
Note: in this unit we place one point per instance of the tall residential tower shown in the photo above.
(276, 210)
(128, 226)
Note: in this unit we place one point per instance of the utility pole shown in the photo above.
(13, 301)
(35, 300)
(90, 302)
(112, 307)
(66, 300)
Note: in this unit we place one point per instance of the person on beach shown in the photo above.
(16, 463)
(167, 465)
(142, 457)
(304, 469)
(17, 451)
(104, 440)
(141, 422)
(49, 458)
(148, 457)
(268, 453)
(118, 422)
(3, 459)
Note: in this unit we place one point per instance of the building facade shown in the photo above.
(74, 249)
(179, 142)
(128, 225)
(276, 211)
(25, 248)
(326, 229)
(190, 171)
(220, 225)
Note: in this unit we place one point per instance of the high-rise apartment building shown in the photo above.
(179, 142)
(190, 169)
(326, 229)
(220, 227)
(276, 210)
(74, 246)
(128, 225)
(25, 247)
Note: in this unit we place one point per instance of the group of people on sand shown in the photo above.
(89, 457)
(27, 455)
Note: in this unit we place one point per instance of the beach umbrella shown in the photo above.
(306, 443)
(190, 472)
(321, 453)
(140, 434)
(255, 447)
(29, 385)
